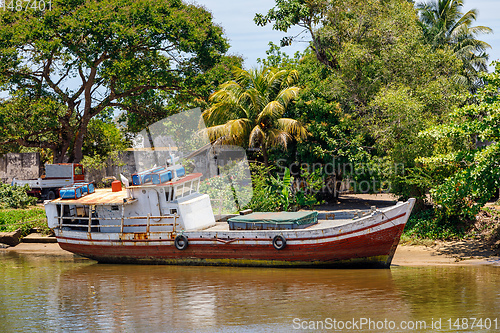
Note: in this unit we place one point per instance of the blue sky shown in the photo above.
(251, 41)
(245, 37)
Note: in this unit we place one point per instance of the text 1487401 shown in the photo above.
(25, 5)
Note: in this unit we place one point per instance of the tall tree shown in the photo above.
(248, 111)
(467, 153)
(373, 85)
(366, 43)
(446, 26)
(87, 55)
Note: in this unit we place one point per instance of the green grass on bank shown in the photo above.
(13, 219)
(427, 225)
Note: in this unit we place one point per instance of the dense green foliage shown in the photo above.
(263, 200)
(266, 191)
(283, 192)
(428, 224)
(15, 197)
(24, 219)
(369, 86)
(70, 63)
(469, 167)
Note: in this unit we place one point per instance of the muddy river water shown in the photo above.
(45, 293)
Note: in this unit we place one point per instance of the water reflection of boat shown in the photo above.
(169, 222)
(192, 297)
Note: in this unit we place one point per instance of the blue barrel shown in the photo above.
(136, 179)
(145, 176)
(73, 192)
(84, 186)
(161, 177)
(87, 188)
(180, 172)
(141, 177)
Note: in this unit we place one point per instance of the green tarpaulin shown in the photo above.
(298, 218)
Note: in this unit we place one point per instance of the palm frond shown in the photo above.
(242, 77)
(247, 109)
(256, 137)
(271, 111)
(239, 128)
(294, 127)
(276, 137)
(285, 96)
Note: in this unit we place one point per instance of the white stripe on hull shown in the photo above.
(264, 237)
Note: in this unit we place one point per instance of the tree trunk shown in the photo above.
(80, 136)
(264, 154)
(59, 153)
(77, 149)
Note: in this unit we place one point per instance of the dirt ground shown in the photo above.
(359, 201)
(468, 252)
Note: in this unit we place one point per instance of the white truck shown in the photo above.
(56, 176)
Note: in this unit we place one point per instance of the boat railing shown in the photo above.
(122, 225)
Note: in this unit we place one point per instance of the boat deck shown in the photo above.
(99, 197)
(224, 226)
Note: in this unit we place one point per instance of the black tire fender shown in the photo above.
(181, 242)
(279, 242)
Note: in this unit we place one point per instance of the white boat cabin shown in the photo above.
(170, 206)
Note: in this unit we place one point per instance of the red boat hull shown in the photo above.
(373, 249)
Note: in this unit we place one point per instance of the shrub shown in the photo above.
(263, 200)
(26, 219)
(15, 196)
(231, 190)
(432, 224)
(273, 194)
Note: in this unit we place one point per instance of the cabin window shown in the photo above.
(181, 191)
(173, 211)
(114, 207)
(78, 170)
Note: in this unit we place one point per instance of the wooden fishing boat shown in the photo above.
(172, 223)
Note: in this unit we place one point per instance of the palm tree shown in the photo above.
(446, 26)
(248, 111)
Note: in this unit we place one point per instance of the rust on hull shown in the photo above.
(374, 249)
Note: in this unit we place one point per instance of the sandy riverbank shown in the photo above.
(445, 253)
(440, 253)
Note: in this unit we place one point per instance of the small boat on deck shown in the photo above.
(169, 222)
